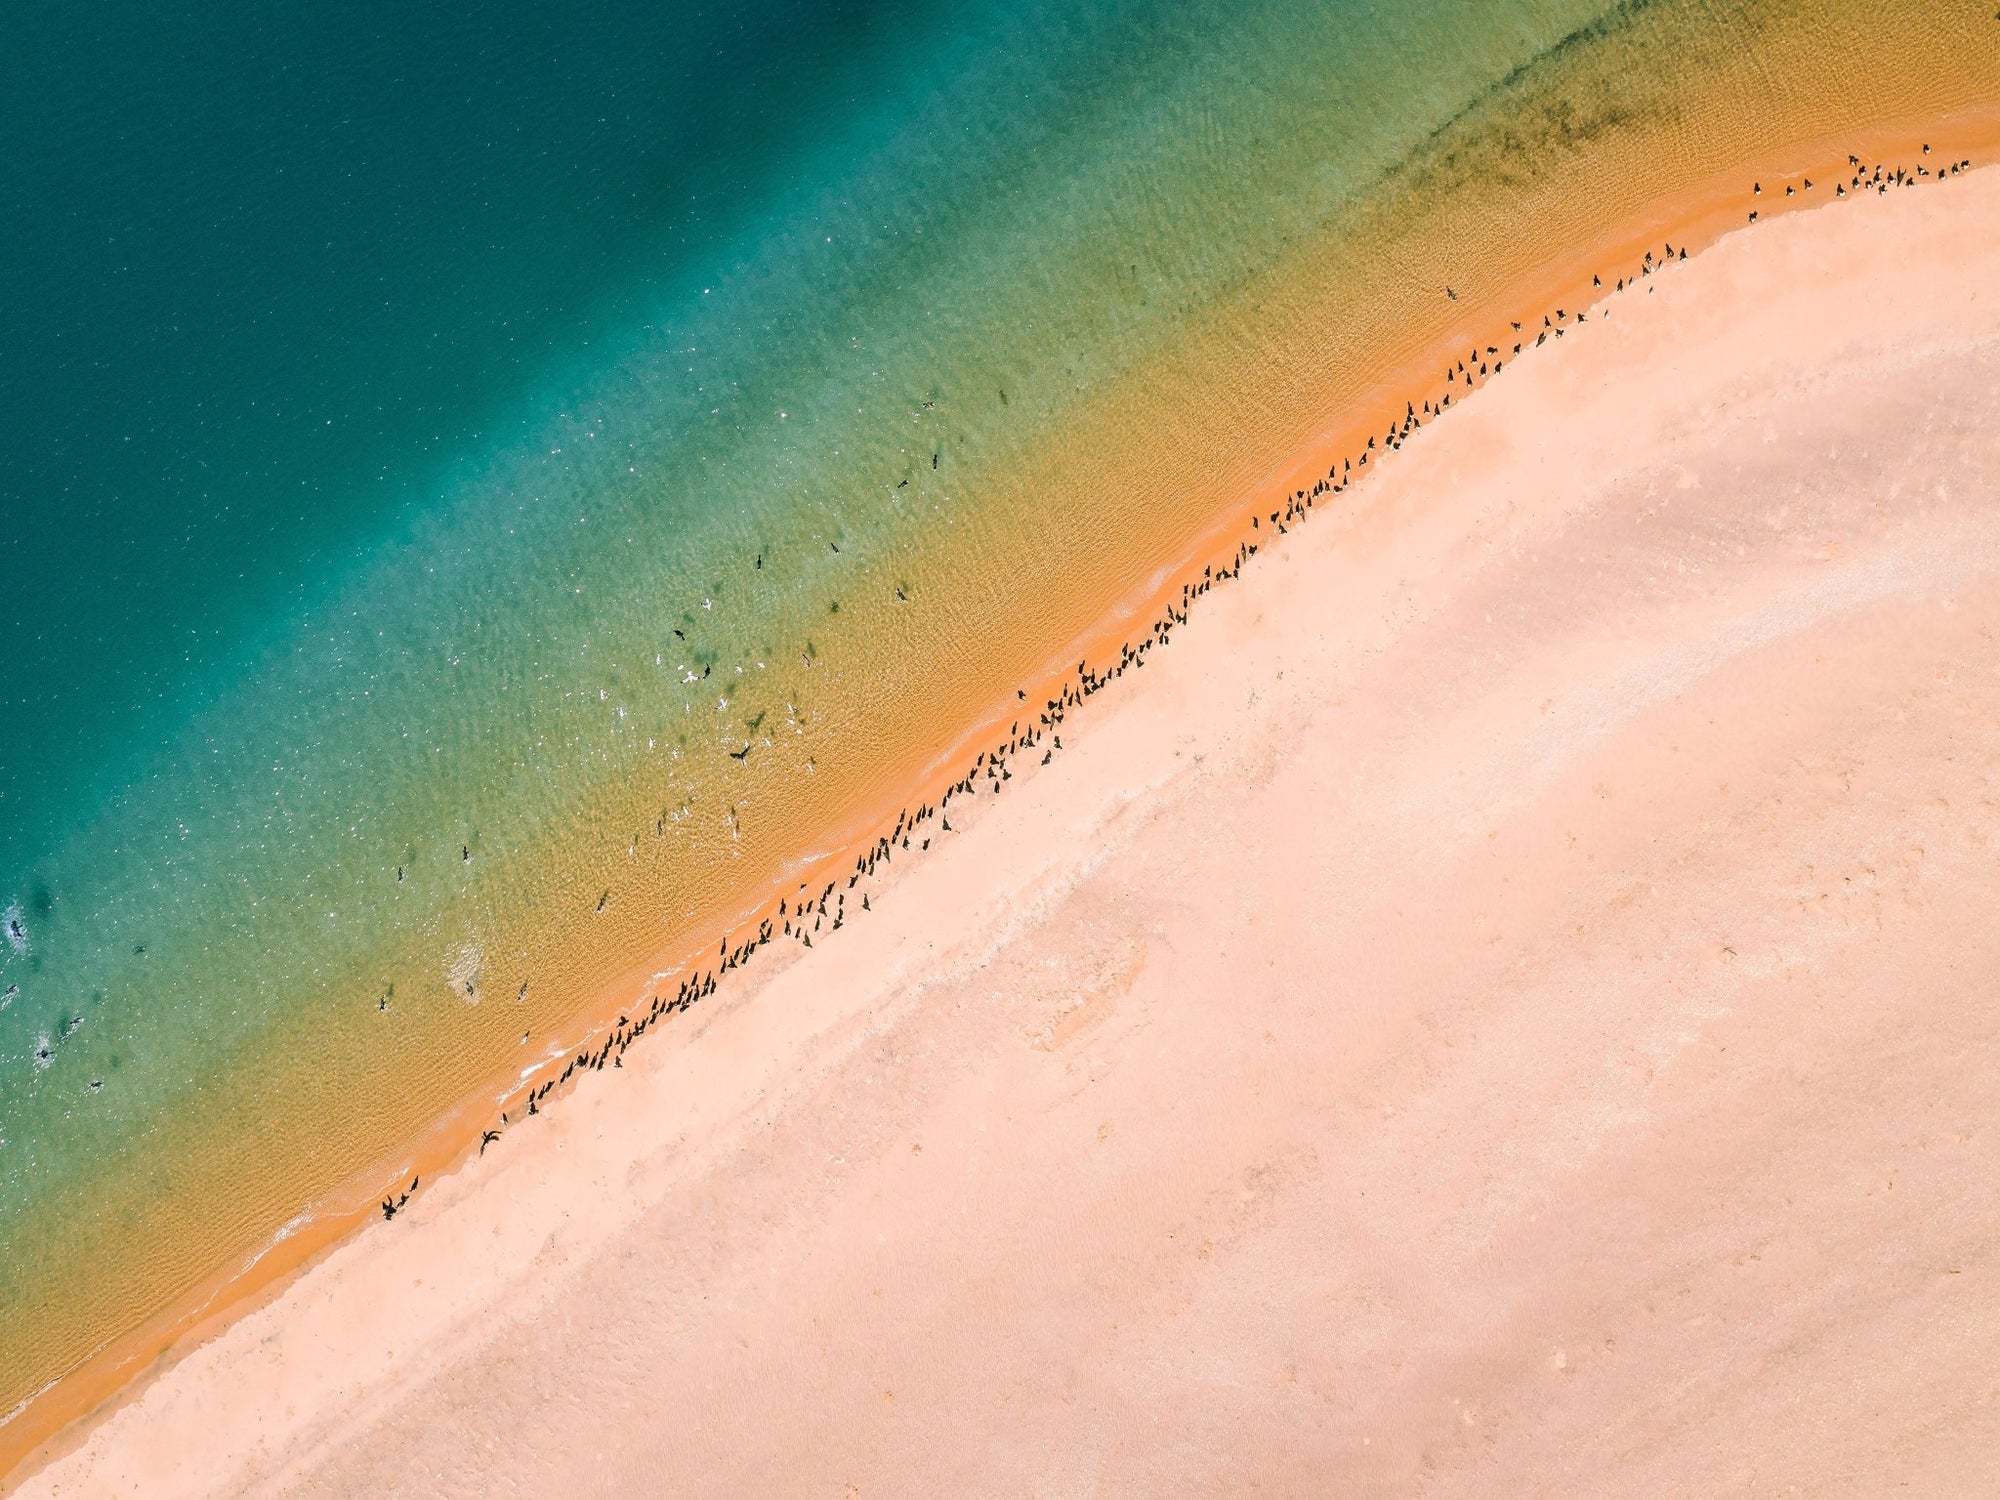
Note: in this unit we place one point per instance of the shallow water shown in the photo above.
(431, 454)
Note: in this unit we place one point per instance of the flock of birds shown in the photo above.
(799, 916)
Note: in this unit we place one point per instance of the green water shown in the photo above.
(434, 445)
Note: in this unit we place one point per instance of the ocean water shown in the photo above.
(435, 446)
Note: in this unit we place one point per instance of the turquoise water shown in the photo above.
(433, 446)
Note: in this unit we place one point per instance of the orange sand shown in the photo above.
(1506, 1004)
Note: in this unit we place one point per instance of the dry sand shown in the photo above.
(1506, 1004)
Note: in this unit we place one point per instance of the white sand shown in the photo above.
(1507, 1004)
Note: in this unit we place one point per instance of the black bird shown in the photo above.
(743, 754)
(678, 633)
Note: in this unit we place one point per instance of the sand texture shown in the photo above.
(1507, 1004)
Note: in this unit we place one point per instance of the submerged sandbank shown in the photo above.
(1500, 1002)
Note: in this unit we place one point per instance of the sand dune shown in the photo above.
(1507, 1004)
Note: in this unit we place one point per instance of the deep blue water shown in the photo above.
(267, 271)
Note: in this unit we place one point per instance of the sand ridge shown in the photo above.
(1500, 1006)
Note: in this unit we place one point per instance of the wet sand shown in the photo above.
(1505, 1004)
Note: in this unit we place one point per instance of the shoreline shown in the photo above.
(125, 1374)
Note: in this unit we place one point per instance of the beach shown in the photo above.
(1502, 1004)
(454, 615)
